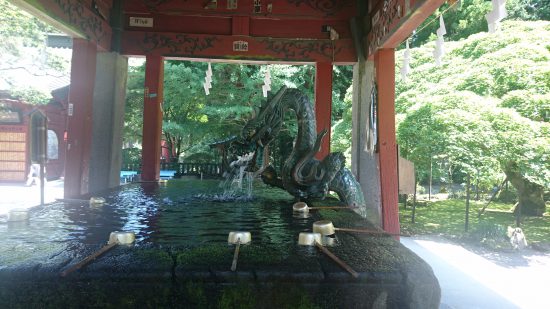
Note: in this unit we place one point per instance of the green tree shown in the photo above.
(23, 48)
(485, 106)
(341, 129)
(192, 119)
(467, 17)
(133, 114)
(464, 19)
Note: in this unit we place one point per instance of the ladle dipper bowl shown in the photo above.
(97, 200)
(122, 238)
(314, 239)
(325, 228)
(304, 208)
(238, 238)
(115, 238)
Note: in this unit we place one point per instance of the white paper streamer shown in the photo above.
(439, 50)
(208, 80)
(405, 68)
(267, 83)
(496, 15)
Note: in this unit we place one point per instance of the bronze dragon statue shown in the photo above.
(302, 175)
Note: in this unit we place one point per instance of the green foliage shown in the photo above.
(447, 217)
(342, 77)
(484, 109)
(30, 95)
(530, 105)
(341, 130)
(18, 29)
(192, 120)
(528, 9)
(131, 156)
(467, 17)
(23, 49)
(133, 114)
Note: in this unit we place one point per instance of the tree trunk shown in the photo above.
(530, 195)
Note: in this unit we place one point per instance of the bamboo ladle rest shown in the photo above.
(115, 238)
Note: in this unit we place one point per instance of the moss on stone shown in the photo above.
(204, 255)
(343, 216)
(216, 254)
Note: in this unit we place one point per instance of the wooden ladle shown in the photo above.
(314, 239)
(115, 238)
(238, 238)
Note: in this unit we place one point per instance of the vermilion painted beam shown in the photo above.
(394, 21)
(152, 117)
(240, 25)
(73, 16)
(257, 26)
(79, 130)
(385, 79)
(323, 104)
(337, 9)
(407, 25)
(237, 47)
(308, 29)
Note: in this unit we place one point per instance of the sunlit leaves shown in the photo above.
(459, 107)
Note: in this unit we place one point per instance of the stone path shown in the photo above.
(513, 279)
(21, 196)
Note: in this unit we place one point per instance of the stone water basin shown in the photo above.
(181, 257)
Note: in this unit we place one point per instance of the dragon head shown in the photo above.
(267, 123)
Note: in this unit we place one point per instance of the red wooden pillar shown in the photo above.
(79, 123)
(323, 104)
(384, 60)
(152, 118)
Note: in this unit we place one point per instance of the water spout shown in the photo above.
(238, 181)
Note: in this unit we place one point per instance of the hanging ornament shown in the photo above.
(209, 71)
(405, 68)
(208, 80)
(496, 14)
(267, 83)
(439, 51)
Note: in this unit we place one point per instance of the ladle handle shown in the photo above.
(236, 255)
(332, 207)
(88, 259)
(337, 260)
(360, 231)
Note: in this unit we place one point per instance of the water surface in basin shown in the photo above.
(179, 213)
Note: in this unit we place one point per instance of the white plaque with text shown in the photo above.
(141, 22)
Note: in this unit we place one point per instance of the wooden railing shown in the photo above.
(186, 168)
